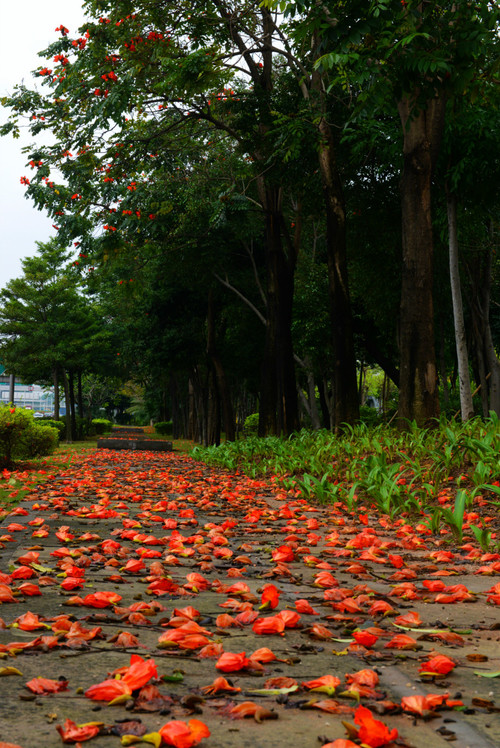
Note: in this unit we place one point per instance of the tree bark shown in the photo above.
(55, 379)
(487, 361)
(12, 388)
(220, 374)
(344, 360)
(344, 379)
(80, 395)
(67, 400)
(72, 409)
(422, 131)
(466, 406)
(278, 411)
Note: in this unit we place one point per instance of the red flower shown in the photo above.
(73, 733)
(364, 638)
(269, 625)
(229, 662)
(46, 685)
(270, 596)
(182, 735)
(371, 731)
(438, 665)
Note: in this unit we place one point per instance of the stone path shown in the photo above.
(118, 550)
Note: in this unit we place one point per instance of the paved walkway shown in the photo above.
(125, 554)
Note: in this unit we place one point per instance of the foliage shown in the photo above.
(22, 437)
(369, 416)
(251, 425)
(59, 425)
(163, 427)
(435, 472)
(101, 425)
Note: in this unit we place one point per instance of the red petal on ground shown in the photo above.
(182, 735)
(371, 731)
(73, 733)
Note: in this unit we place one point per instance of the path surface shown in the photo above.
(121, 550)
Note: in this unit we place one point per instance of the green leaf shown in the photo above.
(272, 691)
(176, 677)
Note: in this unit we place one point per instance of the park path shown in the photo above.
(154, 564)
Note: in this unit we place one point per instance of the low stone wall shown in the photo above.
(127, 430)
(154, 445)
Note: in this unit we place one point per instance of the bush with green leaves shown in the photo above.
(22, 438)
(84, 427)
(59, 425)
(370, 416)
(163, 427)
(101, 425)
(251, 425)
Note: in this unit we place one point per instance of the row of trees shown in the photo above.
(263, 196)
(53, 334)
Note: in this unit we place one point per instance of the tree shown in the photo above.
(470, 148)
(47, 330)
(416, 55)
(169, 70)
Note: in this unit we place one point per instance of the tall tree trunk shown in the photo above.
(466, 406)
(278, 413)
(55, 379)
(311, 392)
(442, 363)
(488, 365)
(67, 400)
(72, 409)
(489, 348)
(220, 374)
(80, 395)
(12, 388)
(422, 130)
(345, 386)
(192, 432)
(213, 411)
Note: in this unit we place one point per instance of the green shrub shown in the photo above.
(38, 441)
(163, 427)
(59, 425)
(251, 425)
(22, 438)
(101, 425)
(370, 416)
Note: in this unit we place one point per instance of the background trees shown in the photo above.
(234, 177)
(49, 332)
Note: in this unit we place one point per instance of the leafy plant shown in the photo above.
(163, 427)
(22, 438)
(101, 425)
(483, 536)
(455, 518)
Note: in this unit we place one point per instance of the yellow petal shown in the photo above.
(153, 738)
(121, 699)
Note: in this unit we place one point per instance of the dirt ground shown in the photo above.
(108, 509)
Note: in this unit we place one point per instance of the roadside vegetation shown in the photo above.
(447, 478)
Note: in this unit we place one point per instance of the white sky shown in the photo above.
(26, 27)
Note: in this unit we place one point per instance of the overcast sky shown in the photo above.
(26, 27)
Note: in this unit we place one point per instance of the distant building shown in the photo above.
(29, 396)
